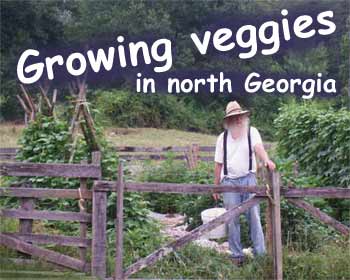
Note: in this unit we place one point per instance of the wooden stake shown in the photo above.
(30, 103)
(26, 225)
(82, 207)
(43, 93)
(276, 226)
(99, 234)
(25, 108)
(119, 225)
(195, 155)
(268, 215)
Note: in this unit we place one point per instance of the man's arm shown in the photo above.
(262, 154)
(217, 175)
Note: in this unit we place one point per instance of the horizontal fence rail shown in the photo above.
(52, 239)
(50, 170)
(44, 193)
(127, 152)
(326, 192)
(46, 215)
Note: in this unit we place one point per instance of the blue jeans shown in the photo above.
(253, 216)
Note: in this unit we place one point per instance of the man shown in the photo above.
(235, 164)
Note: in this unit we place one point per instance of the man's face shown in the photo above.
(235, 120)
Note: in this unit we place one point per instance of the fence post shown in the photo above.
(99, 228)
(26, 225)
(82, 208)
(99, 236)
(268, 214)
(119, 225)
(188, 157)
(276, 226)
(195, 154)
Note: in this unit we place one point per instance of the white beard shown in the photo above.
(238, 130)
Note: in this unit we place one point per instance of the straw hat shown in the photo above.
(234, 109)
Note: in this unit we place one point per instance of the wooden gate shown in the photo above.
(272, 192)
(25, 241)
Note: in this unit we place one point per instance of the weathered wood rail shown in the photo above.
(272, 193)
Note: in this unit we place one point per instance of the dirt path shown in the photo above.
(174, 228)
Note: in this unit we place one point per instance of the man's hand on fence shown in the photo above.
(216, 196)
(270, 165)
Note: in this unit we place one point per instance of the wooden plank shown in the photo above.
(7, 156)
(207, 149)
(206, 158)
(276, 226)
(139, 149)
(82, 208)
(119, 224)
(46, 215)
(44, 193)
(151, 149)
(45, 254)
(26, 225)
(268, 213)
(12, 150)
(326, 192)
(188, 158)
(318, 214)
(194, 234)
(50, 170)
(195, 154)
(52, 239)
(149, 157)
(26, 204)
(268, 235)
(96, 158)
(177, 188)
(99, 234)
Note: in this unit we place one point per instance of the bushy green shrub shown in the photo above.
(125, 109)
(319, 139)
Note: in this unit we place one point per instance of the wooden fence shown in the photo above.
(24, 240)
(272, 192)
(191, 154)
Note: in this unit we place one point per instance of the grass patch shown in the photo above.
(9, 134)
(153, 137)
(332, 261)
(194, 262)
(150, 137)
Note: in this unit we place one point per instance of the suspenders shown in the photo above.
(225, 151)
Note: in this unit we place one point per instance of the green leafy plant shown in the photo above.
(46, 140)
(319, 139)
